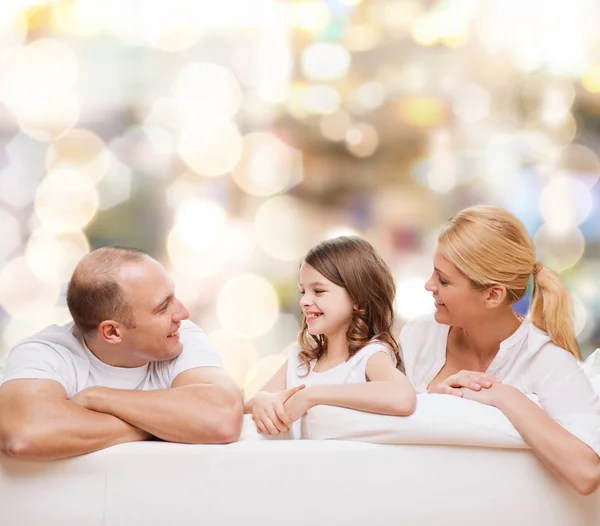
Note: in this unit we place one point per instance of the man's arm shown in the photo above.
(38, 422)
(203, 406)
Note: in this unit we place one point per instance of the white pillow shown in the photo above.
(439, 419)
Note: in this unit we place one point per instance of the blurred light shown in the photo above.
(247, 306)
(565, 203)
(48, 63)
(361, 37)
(311, 15)
(321, 100)
(325, 61)
(579, 162)
(556, 103)
(115, 186)
(66, 200)
(591, 79)
(362, 140)
(10, 239)
(424, 31)
(412, 300)
(52, 256)
(80, 17)
(238, 354)
(367, 97)
(50, 119)
(338, 231)
(204, 89)
(279, 228)
(193, 260)
(580, 315)
(161, 139)
(268, 165)
(80, 149)
(261, 372)
(472, 103)
(442, 166)
(421, 111)
(200, 224)
(18, 329)
(13, 29)
(135, 148)
(335, 126)
(210, 146)
(559, 249)
(22, 294)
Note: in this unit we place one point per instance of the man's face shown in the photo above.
(156, 312)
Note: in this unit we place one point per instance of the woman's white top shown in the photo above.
(527, 360)
(351, 371)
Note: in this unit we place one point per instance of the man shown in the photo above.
(129, 367)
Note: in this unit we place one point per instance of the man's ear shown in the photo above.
(111, 331)
(495, 296)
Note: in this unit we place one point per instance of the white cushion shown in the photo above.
(439, 419)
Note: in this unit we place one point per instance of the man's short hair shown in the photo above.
(94, 294)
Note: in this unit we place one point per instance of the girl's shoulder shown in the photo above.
(372, 347)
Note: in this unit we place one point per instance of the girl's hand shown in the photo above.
(457, 383)
(268, 411)
(297, 405)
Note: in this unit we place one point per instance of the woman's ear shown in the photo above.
(495, 296)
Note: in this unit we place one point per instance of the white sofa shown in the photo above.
(321, 481)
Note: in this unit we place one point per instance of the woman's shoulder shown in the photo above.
(421, 327)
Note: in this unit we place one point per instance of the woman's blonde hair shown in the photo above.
(490, 246)
(352, 263)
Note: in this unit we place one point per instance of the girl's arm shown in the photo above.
(266, 406)
(567, 456)
(388, 392)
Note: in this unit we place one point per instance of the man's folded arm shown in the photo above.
(202, 406)
(38, 422)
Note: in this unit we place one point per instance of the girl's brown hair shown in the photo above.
(352, 263)
(490, 246)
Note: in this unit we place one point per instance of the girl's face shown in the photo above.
(326, 306)
(457, 303)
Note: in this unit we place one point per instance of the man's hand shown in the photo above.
(268, 411)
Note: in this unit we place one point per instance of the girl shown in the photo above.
(346, 355)
(478, 348)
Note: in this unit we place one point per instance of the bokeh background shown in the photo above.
(227, 137)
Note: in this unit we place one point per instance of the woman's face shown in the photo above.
(457, 303)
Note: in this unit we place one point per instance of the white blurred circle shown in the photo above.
(208, 89)
(565, 203)
(211, 146)
(335, 126)
(22, 294)
(238, 354)
(66, 200)
(321, 100)
(52, 256)
(247, 306)
(10, 239)
(560, 249)
(279, 228)
(200, 223)
(325, 61)
(82, 149)
(362, 140)
(412, 299)
(193, 259)
(267, 166)
(261, 372)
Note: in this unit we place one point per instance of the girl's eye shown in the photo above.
(319, 291)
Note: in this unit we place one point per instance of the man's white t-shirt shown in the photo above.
(351, 371)
(59, 353)
(527, 360)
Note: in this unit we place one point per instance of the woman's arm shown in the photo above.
(388, 392)
(567, 456)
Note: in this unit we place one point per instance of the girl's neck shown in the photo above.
(484, 337)
(337, 347)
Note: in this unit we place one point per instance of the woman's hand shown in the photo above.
(463, 380)
(268, 411)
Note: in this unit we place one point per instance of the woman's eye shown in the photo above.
(442, 282)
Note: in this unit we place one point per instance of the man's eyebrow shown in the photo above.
(162, 303)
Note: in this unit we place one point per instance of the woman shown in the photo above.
(478, 348)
